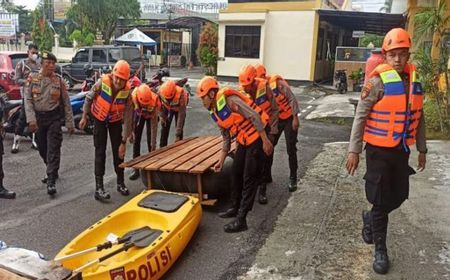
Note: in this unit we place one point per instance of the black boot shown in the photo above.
(100, 193)
(4, 193)
(51, 187)
(262, 198)
(239, 224)
(229, 213)
(122, 188)
(367, 227)
(381, 261)
(292, 184)
(134, 175)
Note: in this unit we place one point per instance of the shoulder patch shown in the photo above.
(366, 90)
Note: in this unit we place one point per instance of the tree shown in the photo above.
(208, 48)
(41, 34)
(376, 40)
(83, 38)
(430, 23)
(102, 15)
(25, 17)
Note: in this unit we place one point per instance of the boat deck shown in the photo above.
(195, 156)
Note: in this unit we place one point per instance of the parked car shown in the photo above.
(8, 62)
(98, 57)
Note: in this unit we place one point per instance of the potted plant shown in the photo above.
(356, 76)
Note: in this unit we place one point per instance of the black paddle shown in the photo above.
(126, 237)
(140, 239)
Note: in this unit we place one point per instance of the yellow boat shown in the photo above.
(169, 220)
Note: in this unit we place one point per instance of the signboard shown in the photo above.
(60, 8)
(182, 6)
(7, 29)
(358, 34)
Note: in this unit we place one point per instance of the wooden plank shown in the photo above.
(200, 150)
(7, 275)
(185, 167)
(153, 153)
(165, 154)
(180, 152)
(209, 162)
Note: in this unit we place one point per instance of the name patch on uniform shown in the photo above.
(366, 90)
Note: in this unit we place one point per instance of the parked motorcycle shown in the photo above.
(157, 80)
(341, 81)
(91, 78)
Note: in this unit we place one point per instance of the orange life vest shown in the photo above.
(107, 107)
(396, 116)
(239, 127)
(174, 103)
(280, 97)
(260, 97)
(146, 111)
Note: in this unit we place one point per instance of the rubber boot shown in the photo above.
(100, 193)
(51, 187)
(134, 175)
(292, 184)
(4, 193)
(229, 213)
(381, 259)
(237, 225)
(15, 146)
(367, 227)
(262, 198)
(33, 142)
(121, 188)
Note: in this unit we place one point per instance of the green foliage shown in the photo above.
(368, 38)
(25, 17)
(83, 38)
(102, 15)
(207, 49)
(41, 33)
(356, 75)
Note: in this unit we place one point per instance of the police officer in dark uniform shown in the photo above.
(23, 69)
(4, 193)
(389, 118)
(46, 98)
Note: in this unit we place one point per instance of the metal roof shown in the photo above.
(377, 23)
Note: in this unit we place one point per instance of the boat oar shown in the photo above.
(126, 237)
(140, 239)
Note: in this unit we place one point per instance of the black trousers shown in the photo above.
(165, 127)
(49, 139)
(21, 121)
(101, 129)
(291, 140)
(246, 168)
(387, 183)
(2, 175)
(139, 124)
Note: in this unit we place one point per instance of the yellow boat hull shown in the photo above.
(151, 262)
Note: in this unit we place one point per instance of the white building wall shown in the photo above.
(286, 43)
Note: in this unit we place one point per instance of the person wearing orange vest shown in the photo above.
(389, 118)
(238, 116)
(174, 101)
(258, 90)
(146, 106)
(287, 122)
(109, 104)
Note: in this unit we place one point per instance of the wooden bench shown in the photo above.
(195, 156)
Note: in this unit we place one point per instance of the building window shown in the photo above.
(242, 41)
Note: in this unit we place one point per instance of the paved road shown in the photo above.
(37, 222)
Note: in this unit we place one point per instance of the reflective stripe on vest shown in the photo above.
(144, 112)
(239, 127)
(285, 109)
(260, 96)
(391, 120)
(105, 106)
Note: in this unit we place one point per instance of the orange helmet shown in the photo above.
(260, 70)
(122, 70)
(168, 89)
(145, 96)
(205, 85)
(247, 75)
(395, 39)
